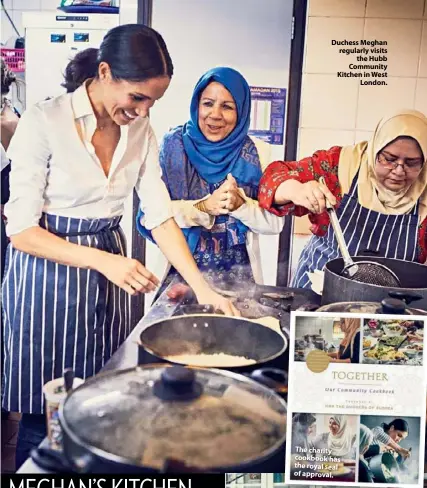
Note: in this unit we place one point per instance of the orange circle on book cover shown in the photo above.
(317, 361)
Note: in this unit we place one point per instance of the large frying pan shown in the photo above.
(210, 333)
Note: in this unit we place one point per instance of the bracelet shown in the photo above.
(201, 206)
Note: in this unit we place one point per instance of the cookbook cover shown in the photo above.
(356, 400)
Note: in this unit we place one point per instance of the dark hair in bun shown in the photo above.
(134, 52)
(83, 66)
(398, 424)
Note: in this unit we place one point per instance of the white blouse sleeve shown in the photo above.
(30, 153)
(259, 220)
(154, 198)
(187, 215)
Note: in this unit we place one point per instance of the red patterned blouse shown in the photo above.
(322, 163)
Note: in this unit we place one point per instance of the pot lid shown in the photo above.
(157, 415)
(351, 307)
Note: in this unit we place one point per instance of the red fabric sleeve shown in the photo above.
(322, 163)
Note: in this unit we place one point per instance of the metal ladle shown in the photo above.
(368, 272)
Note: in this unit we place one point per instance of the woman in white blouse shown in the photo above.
(75, 160)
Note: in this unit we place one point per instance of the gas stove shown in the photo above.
(257, 301)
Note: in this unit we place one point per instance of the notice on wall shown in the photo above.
(367, 60)
(356, 407)
(268, 114)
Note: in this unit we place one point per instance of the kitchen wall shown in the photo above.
(15, 9)
(8, 36)
(128, 9)
(338, 111)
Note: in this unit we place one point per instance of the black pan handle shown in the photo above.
(276, 379)
(407, 296)
(51, 460)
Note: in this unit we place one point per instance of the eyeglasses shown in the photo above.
(407, 166)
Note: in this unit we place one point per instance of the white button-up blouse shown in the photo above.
(56, 171)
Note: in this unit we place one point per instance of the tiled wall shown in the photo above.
(15, 9)
(339, 111)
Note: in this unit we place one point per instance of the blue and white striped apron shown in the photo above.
(390, 236)
(57, 316)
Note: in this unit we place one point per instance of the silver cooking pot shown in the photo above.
(337, 288)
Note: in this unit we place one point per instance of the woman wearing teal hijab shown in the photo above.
(212, 169)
